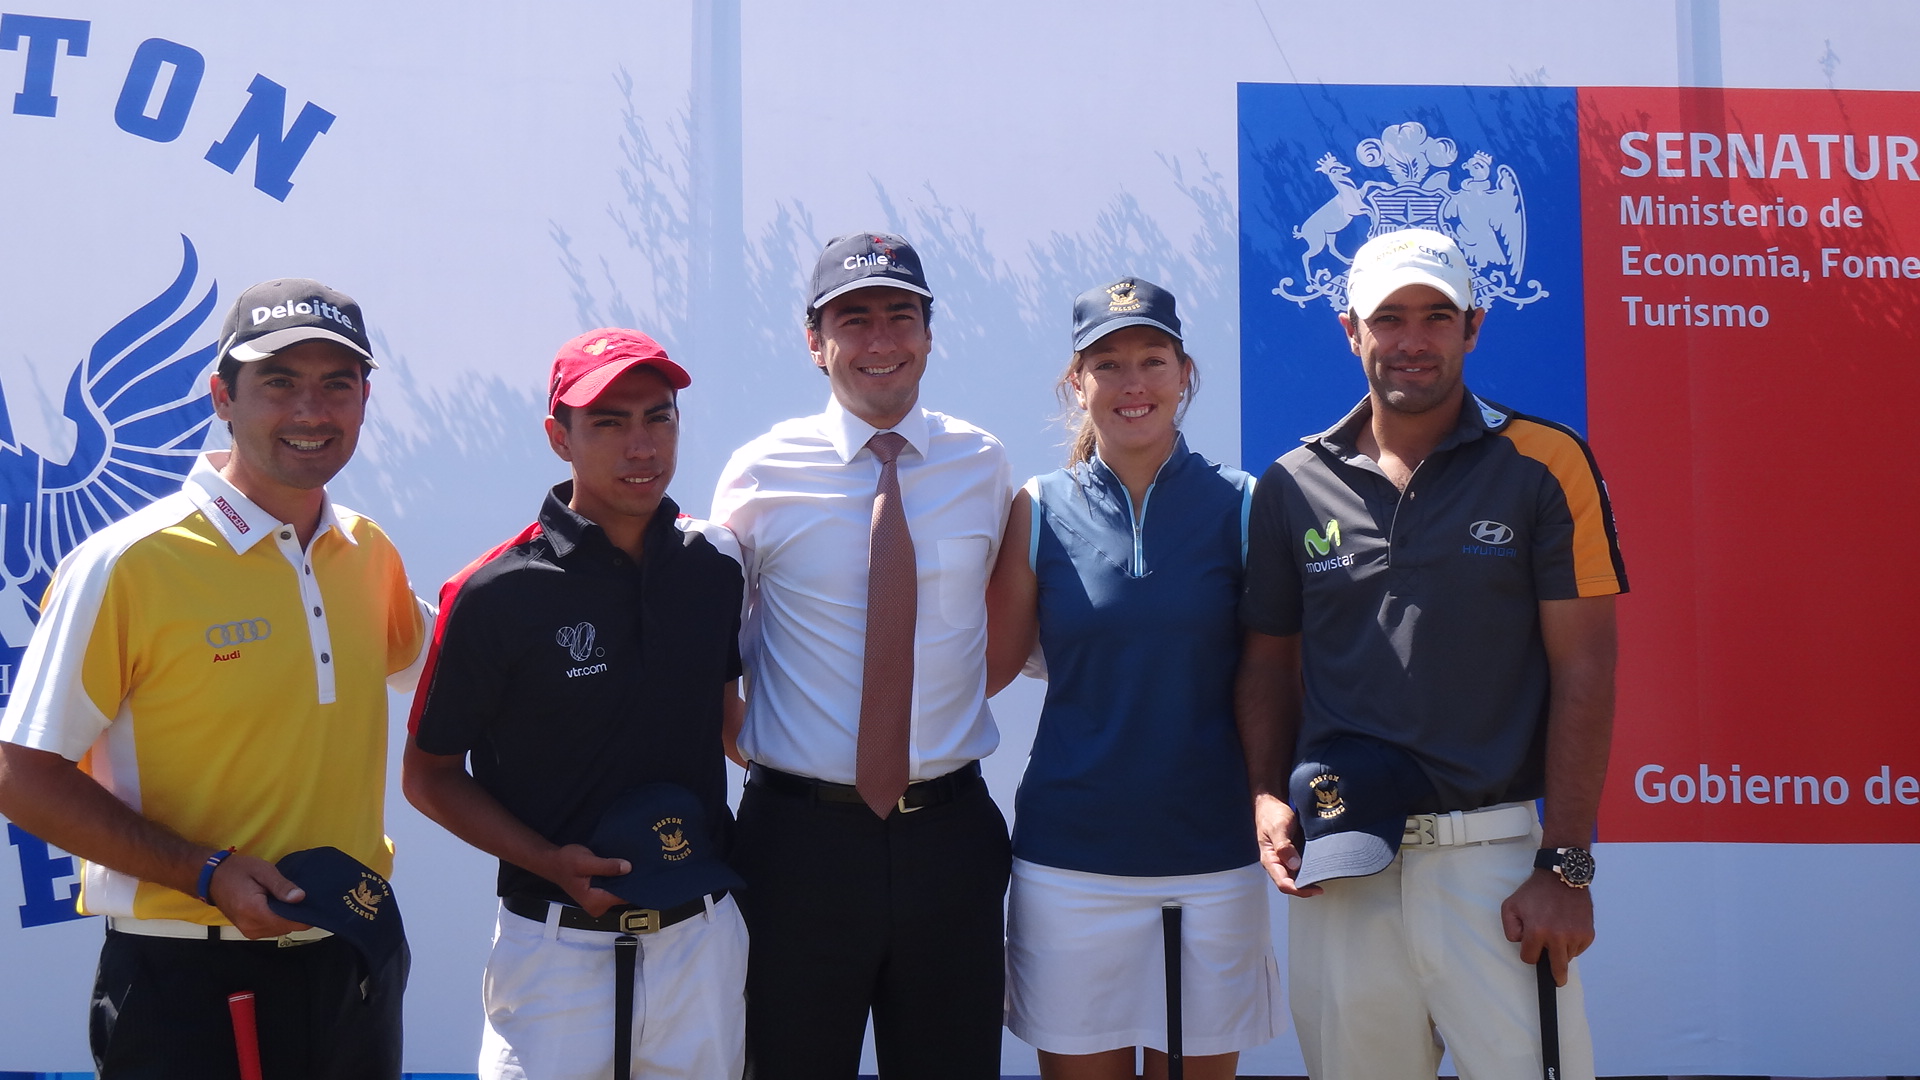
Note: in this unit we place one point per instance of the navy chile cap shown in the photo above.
(662, 832)
(282, 313)
(357, 904)
(1131, 301)
(863, 260)
(1352, 796)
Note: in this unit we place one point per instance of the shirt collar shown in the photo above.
(1477, 418)
(566, 530)
(849, 434)
(238, 518)
(1176, 459)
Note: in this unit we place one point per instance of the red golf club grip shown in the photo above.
(246, 1037)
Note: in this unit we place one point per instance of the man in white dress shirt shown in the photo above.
(875, 859)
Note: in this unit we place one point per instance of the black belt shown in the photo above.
(920, 794)
(627, 920)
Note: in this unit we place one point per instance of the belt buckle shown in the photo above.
(901, 804)
(639, 921)
(1421, 831)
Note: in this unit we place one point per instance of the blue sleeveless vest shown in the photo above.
(1136, 768)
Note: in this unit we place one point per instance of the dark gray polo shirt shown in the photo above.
(1419, 610)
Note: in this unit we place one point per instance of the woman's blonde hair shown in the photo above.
(1083, 436)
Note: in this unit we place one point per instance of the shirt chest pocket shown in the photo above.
(963, 580)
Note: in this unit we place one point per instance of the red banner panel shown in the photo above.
(1752, 264)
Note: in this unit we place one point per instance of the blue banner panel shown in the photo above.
(1322, 168)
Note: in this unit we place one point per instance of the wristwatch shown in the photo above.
(1573, 864)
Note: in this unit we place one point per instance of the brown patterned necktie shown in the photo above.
(886, 679)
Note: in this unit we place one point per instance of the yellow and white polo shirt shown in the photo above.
(222, 681)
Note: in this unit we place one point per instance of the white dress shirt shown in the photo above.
(800, 500)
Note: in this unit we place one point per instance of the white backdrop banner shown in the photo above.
(492, 179)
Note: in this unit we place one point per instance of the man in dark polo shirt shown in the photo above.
(591, 654)
(1429, 648)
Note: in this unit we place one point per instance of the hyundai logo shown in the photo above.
(238, 633)
(1490, 532)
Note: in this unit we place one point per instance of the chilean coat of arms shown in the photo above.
(1485, 214)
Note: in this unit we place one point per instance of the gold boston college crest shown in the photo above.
(366, 896)
(674, 845)
(1327, 802)
(1121, 297)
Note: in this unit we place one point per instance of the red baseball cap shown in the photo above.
(585, 366)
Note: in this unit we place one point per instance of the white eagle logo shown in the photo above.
(1486, 215)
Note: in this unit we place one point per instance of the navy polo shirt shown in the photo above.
(1419, 610)
(569, 675)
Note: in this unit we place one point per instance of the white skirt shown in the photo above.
(1086, 965)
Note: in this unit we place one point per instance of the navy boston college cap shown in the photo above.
(1130, 301)
(663, 832)
(357, 904)
(863, 260)
(282, 313)
(1352, 796)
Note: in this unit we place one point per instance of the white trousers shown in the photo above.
(1385, 972)
(548, 994)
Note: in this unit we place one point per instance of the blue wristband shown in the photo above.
(206, 874)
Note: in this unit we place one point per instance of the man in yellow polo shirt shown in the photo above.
(206, 693)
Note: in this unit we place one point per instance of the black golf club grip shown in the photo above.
(1549, 1018)
(1170, 937)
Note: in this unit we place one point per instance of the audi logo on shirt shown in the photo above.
(238, 633)
(1490, 532)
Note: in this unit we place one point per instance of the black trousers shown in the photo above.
(848, 912)
(160, 1010)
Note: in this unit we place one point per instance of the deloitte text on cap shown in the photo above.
(586, 365)
(1391, 261)
(863, 260)
(280, 314)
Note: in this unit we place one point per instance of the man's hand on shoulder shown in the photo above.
(1546, 913)
(573, 868)
(1278, 832)
(241, 887)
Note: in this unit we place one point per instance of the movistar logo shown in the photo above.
(1318, 544)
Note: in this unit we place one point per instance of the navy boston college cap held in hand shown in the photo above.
(661, 830)
(1352, 796)
(357, 904)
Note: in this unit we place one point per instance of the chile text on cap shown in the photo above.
(863, 260)
(1131, 301)
(285, 312)
(1391, 261)
(585, 366)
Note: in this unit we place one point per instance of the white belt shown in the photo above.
(1507, 821)
(180, 928)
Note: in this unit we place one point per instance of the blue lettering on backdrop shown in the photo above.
(39, 869)
(43, 36)
(259, 122)
(130, 112)
(259, 126)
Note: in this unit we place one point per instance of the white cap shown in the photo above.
(1391, 261)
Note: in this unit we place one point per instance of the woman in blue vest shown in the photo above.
(1125, 568)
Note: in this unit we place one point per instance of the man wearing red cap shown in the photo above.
(585, 657)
